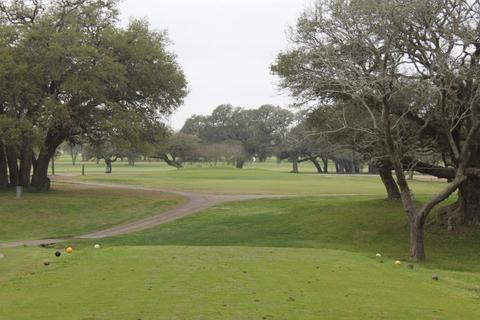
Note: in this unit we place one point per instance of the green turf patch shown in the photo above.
(297, 258)
(256, 181)
(230, 283)
(354, 224)
(72, 210)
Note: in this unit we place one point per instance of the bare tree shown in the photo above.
(407, 66)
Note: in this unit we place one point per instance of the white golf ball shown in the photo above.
(97, 246)
(379, 255)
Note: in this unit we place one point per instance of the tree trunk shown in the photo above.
(12, 166)
(74, 159)
(466, 211)
(348, 165)
(357, 167)
(416, 222)
(469, 197)
(25, 171)
(295, 165)
(3, 167)
(338, 169)
(74, 154)
(469, 192)
(325, 164)
(131, 162)
(417, 238)
(40, 180)
(316, 164)
(240, 164)
(172, 163)
(391, 186)
(108, 166)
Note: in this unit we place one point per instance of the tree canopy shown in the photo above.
(67, 69)
(259, 131)
(409, 71)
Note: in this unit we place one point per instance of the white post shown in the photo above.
(19, 192)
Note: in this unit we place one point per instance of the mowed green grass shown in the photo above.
(266, 178)
(295, 258)
(164, 282)
(256, 181)
(73, 210)
(354, 224)
(261, 178)
(300, 258)
(63, 164)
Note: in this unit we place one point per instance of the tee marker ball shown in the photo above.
(69, 250)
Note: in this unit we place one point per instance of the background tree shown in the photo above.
(259, 130)
(177, 149)
(301, 145)
(116, 139)
(224, 152)
(269, 125)
(352, 143)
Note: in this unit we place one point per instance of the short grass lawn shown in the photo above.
(73, 210)
(352, 224)
(257, 181)
(163, 282)
(306, 257)
(301, 258)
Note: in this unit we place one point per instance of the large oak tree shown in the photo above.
(66, 69)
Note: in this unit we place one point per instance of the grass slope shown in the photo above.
(303, 258)
(73, 210)
(354, 224)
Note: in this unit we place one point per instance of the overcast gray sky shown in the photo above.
(225, 47)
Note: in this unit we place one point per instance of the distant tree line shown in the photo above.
(236, 136)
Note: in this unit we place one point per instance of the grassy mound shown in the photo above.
(74, 210)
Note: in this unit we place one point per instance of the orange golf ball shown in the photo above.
(69, 250)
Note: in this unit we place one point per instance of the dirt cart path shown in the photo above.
(195, 202)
